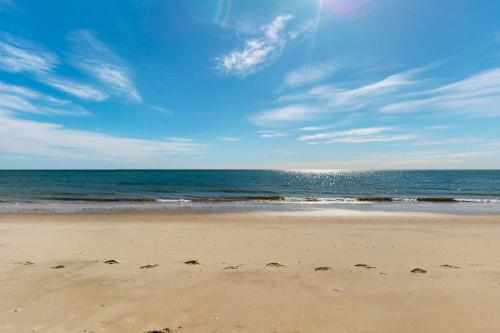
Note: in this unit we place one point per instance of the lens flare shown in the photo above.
(223, 12)
(344, 8)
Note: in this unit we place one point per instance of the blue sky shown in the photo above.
(250, 84)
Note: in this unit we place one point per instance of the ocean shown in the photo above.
(70, 190)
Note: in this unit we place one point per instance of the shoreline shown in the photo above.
(187, 213)
(369, 207)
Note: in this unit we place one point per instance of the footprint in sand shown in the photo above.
(58, 267)
(449, 266)
(111, 262)
(232, 267)
(192, 262)
(275, 264)
(163, 330)
(324, 268)
(418, 270)
(365, 266)
(148, 266)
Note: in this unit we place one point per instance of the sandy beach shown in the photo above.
(249, 272)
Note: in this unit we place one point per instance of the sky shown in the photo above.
(323, 84)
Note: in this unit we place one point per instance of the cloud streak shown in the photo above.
(309, 74)
(17, 99)
(48, 140)
(21, 56)
(96, 59)
(285, 115)
(228, 139)
(76, 89)
(259, 51)
(18, 56)
(479, 94)
(358, 135)
(341, 99)
(322, 100)
(270, 134)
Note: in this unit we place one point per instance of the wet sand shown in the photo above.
(249, 272)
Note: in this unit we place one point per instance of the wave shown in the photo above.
(257, 199)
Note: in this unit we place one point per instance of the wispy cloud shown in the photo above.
(309, 74)
(17, 56)
(285, 115)
(358, 135)
(341, 99)
(259, 51)
(98, 60)
(311, 128)
(50, 140)
(17, 99)
(478, 94)
(322, 100)
(272, 134)
(77, 89)
(228, 139)
(161, 109)
(22, 56)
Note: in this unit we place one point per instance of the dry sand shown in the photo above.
(88, 295)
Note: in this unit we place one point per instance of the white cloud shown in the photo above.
(228, 139)
(76, 89)
(99, 61)
(272, 134)
(20, 99)
(340, 99)
(53, 141)
(285, 115)
(17, 56)
(311, 128)
(323, 99)
(352, 132)
(309, 74)
(21, 56)
(257, 52)
(358, 135)
(28, 138)
(332, 99)
(160, 109)
(476, 95)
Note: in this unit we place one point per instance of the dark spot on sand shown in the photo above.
(111, 262)
(323, 268)
(449, 266)
(58, 267)
(275, 264)
(232, 267)
(192, 262)
(148, 266)
(418, 270)
(163, 330)
(365, 266)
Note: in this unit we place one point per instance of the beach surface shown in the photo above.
(275, 272)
